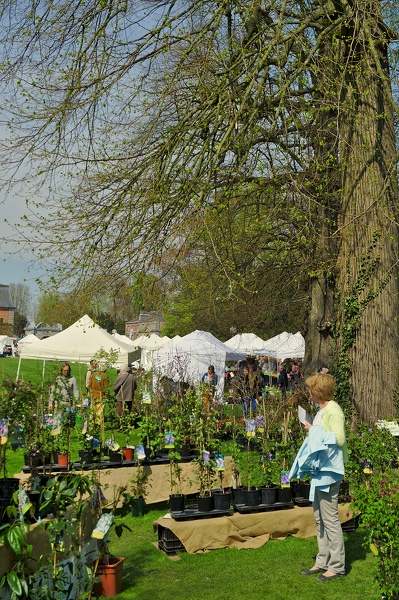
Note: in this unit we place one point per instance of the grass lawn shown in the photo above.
(34, 370)
(272, 571)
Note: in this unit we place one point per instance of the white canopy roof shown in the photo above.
(28, 339)
(151, 342)
(79, 343)
(284, 345)
(188, 358)
(123, 338)
(246, 342)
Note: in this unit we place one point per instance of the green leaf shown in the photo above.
(14, 583)
(16, 540)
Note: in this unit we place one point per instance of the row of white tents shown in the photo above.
(180, 358)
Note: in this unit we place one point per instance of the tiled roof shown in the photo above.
(5, 298)
(146, 317)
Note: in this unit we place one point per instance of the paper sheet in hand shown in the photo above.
(304, 416)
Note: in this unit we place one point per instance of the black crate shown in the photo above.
(168, 542)
(350, 525)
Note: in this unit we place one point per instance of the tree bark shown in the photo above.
(367, 261)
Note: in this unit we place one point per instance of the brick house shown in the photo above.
(7, 309)
(144, 324)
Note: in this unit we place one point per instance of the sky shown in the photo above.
(13, 267)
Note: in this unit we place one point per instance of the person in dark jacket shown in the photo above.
(124, 387)
(282, 381)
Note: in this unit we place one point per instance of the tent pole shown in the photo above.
(19, 366)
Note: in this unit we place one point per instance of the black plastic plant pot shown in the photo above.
(205, 503)
(251, 497)
(238, 495)
(176, 502)
(222, 500)
(284, 495)
(268, 495)
(8, 486)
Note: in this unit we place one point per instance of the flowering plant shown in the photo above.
(371, 450)
(377, 503)
(87, 442)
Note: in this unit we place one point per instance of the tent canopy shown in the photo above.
(123, 338)
(79, 343)
(6, 340)
(188, 358)
(284, 345)
(28, 339)
(246, 342)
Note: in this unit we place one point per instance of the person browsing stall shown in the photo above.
(322, 455)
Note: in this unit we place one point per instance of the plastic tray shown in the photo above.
(192, 513)
(243, 508)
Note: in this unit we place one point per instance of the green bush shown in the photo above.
(377, 501)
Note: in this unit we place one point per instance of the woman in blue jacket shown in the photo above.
(327, 441)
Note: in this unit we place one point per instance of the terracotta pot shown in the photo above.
(62, 460)
(110, 575)
(128, 453)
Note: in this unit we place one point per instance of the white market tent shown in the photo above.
(187, 359)
(123, 338)
(6, 340)
(284, 345)
(148, 345)
(28, 339)
(246, 342)
(79, 343)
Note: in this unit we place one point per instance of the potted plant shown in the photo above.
(55, 574)
(108, 568)
(62, 445)
(203, 428)
(149, 426)
(16, 402)
(138, 488)
(127, 421)
(176, 498)
(86, 449)
(114, 450)
(221, 497)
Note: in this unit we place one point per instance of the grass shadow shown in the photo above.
(354, 548)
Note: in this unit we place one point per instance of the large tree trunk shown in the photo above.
(326, 198)
(367, 322)
(318, 335)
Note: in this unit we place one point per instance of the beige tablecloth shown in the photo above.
(245, 530)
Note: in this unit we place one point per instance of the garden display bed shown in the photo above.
(241, 530)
